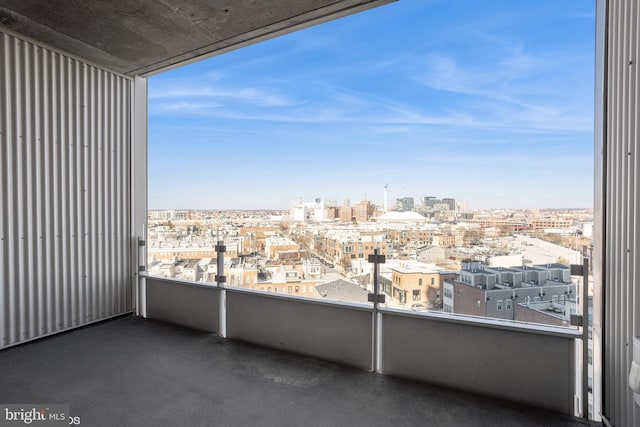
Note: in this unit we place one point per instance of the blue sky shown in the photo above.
(485, 101)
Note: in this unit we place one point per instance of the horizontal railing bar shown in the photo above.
(306, 300)
(179, 281)
(482, 322)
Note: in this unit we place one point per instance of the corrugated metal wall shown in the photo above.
(65, 253)
(621, 214)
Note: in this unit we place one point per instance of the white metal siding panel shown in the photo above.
(65, 254)
(621, 189)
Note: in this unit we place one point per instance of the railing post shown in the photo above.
(140, 297)
(376, 298)
(582, 320)
(585, 337)
(222, 294)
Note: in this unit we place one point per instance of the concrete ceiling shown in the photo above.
(140, 37)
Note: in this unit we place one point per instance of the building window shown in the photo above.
(416, 295)
(499, 305)
(297, 289)
(419, 282)
(433, 281)
(289, 289)
(507, 304)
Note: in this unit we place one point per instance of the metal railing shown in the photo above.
(531, 364)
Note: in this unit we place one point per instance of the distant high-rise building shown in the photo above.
(363, 211)
(346, 213)
(308, 211)
(297, 211)
(450, 202)
(461, 207)
(333, 212)
(430, 201)
(405, 204)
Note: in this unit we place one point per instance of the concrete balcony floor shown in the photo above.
(136, 372)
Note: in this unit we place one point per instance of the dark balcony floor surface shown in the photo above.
(135, 372)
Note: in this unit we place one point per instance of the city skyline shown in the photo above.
(452, 99)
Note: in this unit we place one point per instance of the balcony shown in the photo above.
(73, 180)
(141, 372)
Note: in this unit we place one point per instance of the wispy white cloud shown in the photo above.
(352, 109)
(212, 86)
(183, 106)
(507, 94)
(501, 80)
(246, 95)
(518, 90)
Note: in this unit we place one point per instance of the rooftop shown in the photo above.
(280, 241)
(523, 268)
(507, 269)
(477, 271)
(411, 266)
(343, 290)
(552, 265)
(401, 217)
(549, 308)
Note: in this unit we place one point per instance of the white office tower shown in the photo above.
(297, 212)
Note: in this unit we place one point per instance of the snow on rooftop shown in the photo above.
(401, 217)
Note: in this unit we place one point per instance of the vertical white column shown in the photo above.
(598, 224)
(139, 190)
